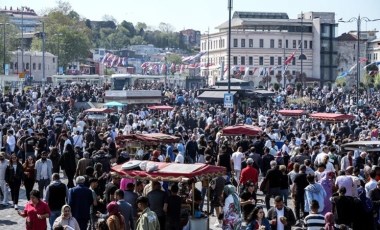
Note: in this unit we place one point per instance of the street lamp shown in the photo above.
(4, 45)
(230, 4)
(302, 55)
(59, 40)
(358, 21)
(208, 55)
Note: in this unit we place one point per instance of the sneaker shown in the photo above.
(16, 206)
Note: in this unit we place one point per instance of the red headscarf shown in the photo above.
(329, 219)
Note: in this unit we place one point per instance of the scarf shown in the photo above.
(231, 190)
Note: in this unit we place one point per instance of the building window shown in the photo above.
(271, 60)
(299, 44)
(235, 42)
(286, 43)
(311, 44)
(53, 59)
(39, 66)
(235, 60)
(11, 65)
(27, 65)
(280, 43)
(305, 44)
(34, 66)
(293, 72)
(261, 60)
(16, 66)
(294, 44)
(261, 43)
(250, 43)
(293, 61)
(243, 43)
(279, 61)
(272, 43)
(250, 61)
(242, 60)
(279, 72)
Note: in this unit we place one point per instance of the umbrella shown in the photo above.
(114, 103)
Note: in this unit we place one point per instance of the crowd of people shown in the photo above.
(294, 159)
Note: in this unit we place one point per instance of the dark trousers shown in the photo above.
(29, 184)
(70, 179)
(15, 191)
(82, 223)
(42, 184)
(271, 193)
(162, 220)
(299, 205)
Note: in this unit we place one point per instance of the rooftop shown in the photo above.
(260, 15)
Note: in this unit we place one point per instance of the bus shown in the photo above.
(94, 79)
(126, 81)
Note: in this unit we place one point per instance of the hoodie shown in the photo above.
(314, 192)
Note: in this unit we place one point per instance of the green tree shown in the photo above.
(66, 34)
(12, 40)
(174, 58)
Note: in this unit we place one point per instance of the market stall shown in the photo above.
(175, 173)
(292, 113)
(241, 129)
(332, 117)
(367, 146)
(160, 107)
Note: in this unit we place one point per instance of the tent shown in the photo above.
(332, 117)
(114, 104)
(367, 146)
(292, 113)
(173, 172)
(150, 138)
(160, 107)
(99, 110)
(241, 129)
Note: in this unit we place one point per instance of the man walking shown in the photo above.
(80, 201)
(44, 170)
(56, 196)
(3, 185)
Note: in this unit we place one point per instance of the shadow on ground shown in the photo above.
(7, 222)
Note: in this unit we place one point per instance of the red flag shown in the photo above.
(290, 58)
(363, 59)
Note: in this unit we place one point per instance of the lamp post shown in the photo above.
(4, 45)
(208, 56)
(230, 3)
(302, 55)
(358, 21)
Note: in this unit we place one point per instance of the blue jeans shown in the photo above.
(53, 215)
(284, 193)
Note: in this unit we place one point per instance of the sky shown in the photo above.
(204, 14)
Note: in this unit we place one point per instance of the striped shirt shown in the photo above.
(314, 221)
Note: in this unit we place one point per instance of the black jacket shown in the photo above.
(14, 177)
(288, 213)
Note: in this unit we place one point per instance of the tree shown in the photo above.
(12, 39)
(174, 58)
(66, 34)
(165, 27)
(140, 28)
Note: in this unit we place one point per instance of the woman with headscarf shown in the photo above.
(66, 219)
(327, 182)
(115, 220)
(329, 219)
(231, 211)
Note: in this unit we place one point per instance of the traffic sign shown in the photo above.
(228, 100)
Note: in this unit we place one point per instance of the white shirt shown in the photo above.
(11, 141)
(179, 159)
(280, 213)
(78, 140)
(236, 159)
(3, 167)
(369, 186)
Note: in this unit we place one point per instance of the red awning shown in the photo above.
(152, 138)
(173, 172)
(99, 110)
(160, 107)
(332, 117)
(237, 130)
(292, 113)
